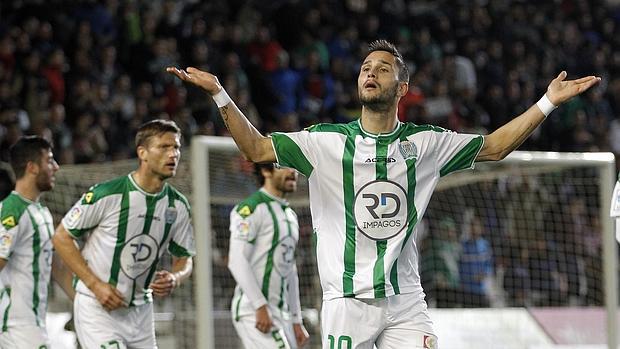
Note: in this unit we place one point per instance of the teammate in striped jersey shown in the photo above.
(263, 235)
(26, 254)
(370, 183)
(128, 223)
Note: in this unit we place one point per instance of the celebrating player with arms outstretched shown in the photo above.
(263, 236)
(370, 183)
(129, 222)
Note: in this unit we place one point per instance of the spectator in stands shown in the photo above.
(476, 267)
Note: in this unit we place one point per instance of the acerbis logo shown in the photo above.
(380, 160)
(381, 209)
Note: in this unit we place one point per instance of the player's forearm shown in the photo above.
(71, 257)
(293, 297)
(252, 144)
(62, 276)
(182, 268)
(509, 137)
(242, 273)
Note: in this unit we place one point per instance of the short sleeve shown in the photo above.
(294, 150)
(182, 243)
(8, 239)
(456, 151)
(85, 215)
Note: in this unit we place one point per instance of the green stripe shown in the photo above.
(290, 155)
(348, 198)
(151, 203)
(412, 219)
(281, 302)
(274, 244)
(36, 252)
(378, 278)
(120, 239)
(464, 158)
(238, 304)
(5, 318)
(161, 243)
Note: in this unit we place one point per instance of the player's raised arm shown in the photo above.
(507, 138)
(253, 145)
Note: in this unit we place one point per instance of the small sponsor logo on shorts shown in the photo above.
(430, 342)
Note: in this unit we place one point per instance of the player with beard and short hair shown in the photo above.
(370, 182)
(128, 223)
(26, 255)
(263, 236)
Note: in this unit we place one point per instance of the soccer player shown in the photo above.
(615, 207)
(26, 254)
(370, 182)
(128, 223)
(263, 235)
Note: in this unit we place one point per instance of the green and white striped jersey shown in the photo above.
(367, 193)
(615, 200)
(25, 242)
(271, 227)
(127, 230)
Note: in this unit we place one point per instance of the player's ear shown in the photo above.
(403, 87)
(141, 151)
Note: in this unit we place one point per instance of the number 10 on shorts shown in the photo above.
(344, 342)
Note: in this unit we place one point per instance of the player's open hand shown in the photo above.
(263, 320)
(301, 335)
(109, 296)
(202, 79)
(561, 90)
(165, 282)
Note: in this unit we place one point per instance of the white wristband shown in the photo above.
(545, 105)
(221, 98)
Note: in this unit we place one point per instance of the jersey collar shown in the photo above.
(374, 135)
(280, 200)
(160, 193)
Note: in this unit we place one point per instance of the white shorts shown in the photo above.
(281, 335)
(26, 337)
(123, 328)
(399, 321)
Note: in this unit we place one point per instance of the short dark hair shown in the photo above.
(258, 171)
(384, 45)
(155, 128)
(27, 148)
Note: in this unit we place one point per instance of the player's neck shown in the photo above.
(378, 122)
(150, 183)
(271, 190)
(27, 189)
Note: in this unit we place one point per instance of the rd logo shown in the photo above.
(138, 255)
(381, 209)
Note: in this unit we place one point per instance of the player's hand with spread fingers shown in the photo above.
(202, 79)
(263, 319)
(560, 90)
(109, 296)
(165, 282)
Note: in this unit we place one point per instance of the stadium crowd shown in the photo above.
(86, 74)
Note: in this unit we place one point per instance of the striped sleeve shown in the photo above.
(455, 151)
(84, 215)
(294, 150)
(182, 243)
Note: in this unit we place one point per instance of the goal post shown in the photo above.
(221, 178)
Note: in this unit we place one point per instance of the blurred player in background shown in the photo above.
(615, 207)
(264, 232)
(128, 223)
(26, 254)
(370, 182)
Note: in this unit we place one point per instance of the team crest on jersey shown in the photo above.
(170, 215)
(9, 222)
(408, 150)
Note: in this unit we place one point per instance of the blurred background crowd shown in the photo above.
(86, 74)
